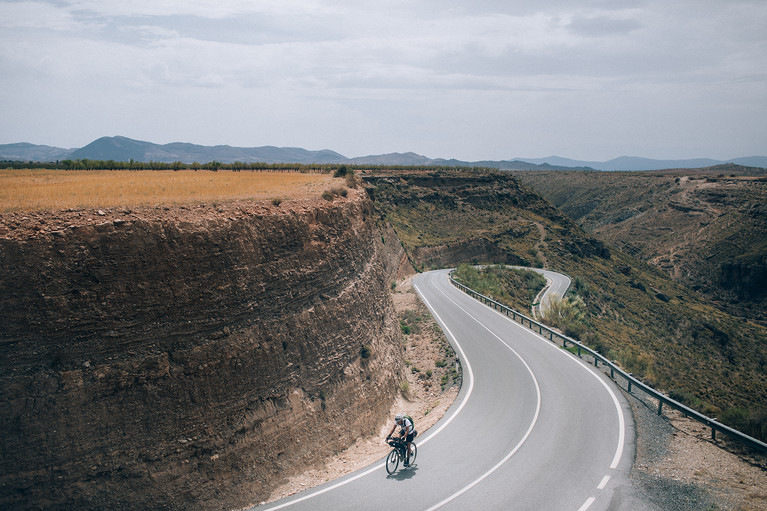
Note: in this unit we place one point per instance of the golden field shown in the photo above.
(39, 189)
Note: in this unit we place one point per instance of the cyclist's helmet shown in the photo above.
(399, 418)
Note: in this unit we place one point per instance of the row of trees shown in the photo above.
(88, 164)
(237, 166)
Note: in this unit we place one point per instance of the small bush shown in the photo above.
(351, 180)
(331, 194)
(568, 314)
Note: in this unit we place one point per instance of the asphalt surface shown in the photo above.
(532, 428)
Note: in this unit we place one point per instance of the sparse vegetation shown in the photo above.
(632, 312)
(334, 192)
(703, 228)
(517, 288)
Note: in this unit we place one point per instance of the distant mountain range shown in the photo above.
(126, 149)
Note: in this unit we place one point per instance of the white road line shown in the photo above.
(527, 433)
(587, 504)
(587, 368)
(604, 482)
(470, 373)
(429, 437)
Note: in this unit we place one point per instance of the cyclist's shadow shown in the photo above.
(405, 473)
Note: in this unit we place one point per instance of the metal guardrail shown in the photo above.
(631, 382)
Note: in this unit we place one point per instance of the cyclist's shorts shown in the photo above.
(410, 437)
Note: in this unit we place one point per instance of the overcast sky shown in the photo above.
(471, 79)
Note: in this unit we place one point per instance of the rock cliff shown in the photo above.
(187, 357)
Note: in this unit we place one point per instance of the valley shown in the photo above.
(706, 229)
(192, 349)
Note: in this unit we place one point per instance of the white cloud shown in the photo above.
(518, 75)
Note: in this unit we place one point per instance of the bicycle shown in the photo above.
(397, 454)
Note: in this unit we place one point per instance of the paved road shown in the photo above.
(532, 428)
(557, 285)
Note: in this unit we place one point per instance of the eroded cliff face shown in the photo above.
(190, 357)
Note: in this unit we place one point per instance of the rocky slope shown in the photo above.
(705, 228)
(632, 312)
(189, 357)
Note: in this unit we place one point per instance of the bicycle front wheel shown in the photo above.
(392, 460)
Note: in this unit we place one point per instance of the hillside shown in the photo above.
(185, 357)
(656, 328)
(116, 149)
(705, 229)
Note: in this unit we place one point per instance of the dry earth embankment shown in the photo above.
(187, 357)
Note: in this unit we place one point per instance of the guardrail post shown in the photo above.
(713, 433)
(660, 407)
(579, 352)
(629, 386)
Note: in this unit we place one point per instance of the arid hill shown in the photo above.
(657, 329)
(185, 357)
(706, 229)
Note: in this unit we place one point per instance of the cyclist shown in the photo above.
(406, 433)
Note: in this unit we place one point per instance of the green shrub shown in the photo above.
(568, 314)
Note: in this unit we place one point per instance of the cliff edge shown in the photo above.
(166, 358)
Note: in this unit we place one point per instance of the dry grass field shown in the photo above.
(49, 190)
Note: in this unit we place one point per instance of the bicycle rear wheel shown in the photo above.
(392, 461)
(413, 453)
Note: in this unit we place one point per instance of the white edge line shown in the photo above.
(604, 482)
(616, 402)
(527, 433)
(429, 437)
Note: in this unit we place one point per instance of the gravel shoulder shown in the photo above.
(679, 467)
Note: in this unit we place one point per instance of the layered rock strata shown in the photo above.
(188, 358)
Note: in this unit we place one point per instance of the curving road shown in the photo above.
(532, 428)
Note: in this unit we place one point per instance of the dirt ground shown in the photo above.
(425, 400)
(676, 454)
